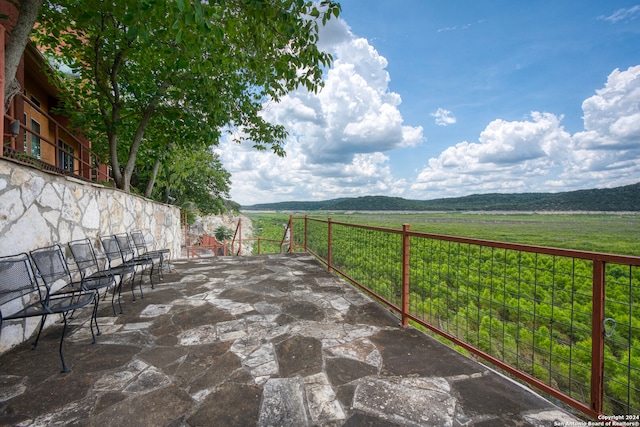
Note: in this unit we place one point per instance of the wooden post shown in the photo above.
(597, 336)
(290, 233)
(406, 242)
(329, 245)
(239, 236)
(2, 78)
(306, 248)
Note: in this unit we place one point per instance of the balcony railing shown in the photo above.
(566, 322)
(62, 159)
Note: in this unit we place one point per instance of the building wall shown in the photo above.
(38, 209)
(46, 150)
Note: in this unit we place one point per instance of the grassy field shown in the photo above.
(609, 233)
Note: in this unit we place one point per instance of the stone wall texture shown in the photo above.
(39, 209)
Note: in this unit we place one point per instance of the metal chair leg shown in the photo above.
(42, 320)
(64, 330)
(133, 284)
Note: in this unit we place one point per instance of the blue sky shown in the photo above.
(431, 99)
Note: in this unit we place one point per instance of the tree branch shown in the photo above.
(142, 126)
(28, 14)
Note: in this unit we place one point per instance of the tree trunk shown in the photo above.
(115, 163)
(27, 16)
(152, 180)
(156, 168)
(139, 135)
(112, 136)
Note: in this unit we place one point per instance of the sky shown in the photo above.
(432, 99)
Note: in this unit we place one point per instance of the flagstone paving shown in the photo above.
(257, 341)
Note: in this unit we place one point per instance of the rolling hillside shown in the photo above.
(625, 198)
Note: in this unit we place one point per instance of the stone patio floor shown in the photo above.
(256, 341)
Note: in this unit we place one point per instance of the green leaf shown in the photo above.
(198, 14)
(132, 32)
(182, 63)
(128, 18)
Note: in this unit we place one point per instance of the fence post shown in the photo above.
(306, 248)
(239, 236)
(597, 336)
(290, 234)
(406, 242)
(329, 236)
(2, 77)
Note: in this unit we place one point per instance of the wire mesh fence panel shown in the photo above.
(317, 238)
(371, 257)
(622, 340)
(298, 234)
(531, 311)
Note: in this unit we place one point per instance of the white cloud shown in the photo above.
(455, 27)
(261, 177)
(355, 113)
(508, 157)
(538, 155)
(625, 14)
(338, 136)
(444, 117)
(611, 116)
(440, 30)
(608, 150)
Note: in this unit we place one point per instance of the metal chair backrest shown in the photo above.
(16, 278)
(51, 265)
(84, 256)
(139, 241)
(126, 249)
(111, 250)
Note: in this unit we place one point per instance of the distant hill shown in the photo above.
(625, 198)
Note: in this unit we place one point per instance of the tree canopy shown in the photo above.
(155, 77)
(192, 175)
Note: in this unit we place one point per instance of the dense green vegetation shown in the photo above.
(270, 229)
(530, 310)
(618, 199)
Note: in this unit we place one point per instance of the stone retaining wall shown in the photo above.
(39, 209)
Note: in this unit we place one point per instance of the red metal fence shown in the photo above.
(566, 322)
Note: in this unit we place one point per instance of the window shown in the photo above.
(35, 101)
(65, 156)
(35, 139)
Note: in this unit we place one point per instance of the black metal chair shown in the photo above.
(90, 268)
(116, 258)
(18, 282)
(51, 266)
(162, 255)
(129, 255)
